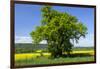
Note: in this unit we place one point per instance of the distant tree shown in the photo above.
(58, 29)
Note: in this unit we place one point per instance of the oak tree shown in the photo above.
(58, 29)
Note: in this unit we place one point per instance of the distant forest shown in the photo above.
(29, 47)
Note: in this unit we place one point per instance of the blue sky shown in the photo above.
(27, 17)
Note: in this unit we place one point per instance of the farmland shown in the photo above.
(29, 54)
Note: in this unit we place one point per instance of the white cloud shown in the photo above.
(43, 42)
(24, 39)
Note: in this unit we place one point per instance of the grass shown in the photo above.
(42, 58)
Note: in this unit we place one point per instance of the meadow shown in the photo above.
(29, 54)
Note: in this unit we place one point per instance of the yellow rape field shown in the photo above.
(29, 55)
(89, 52)
(35, 55)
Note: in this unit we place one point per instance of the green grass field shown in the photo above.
(43, 60)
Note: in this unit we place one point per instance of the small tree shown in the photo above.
(58, 29)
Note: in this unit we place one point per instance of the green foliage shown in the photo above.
(58, 28)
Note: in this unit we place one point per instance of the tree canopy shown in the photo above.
(58, 29)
